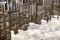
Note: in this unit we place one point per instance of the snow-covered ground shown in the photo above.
(45, 31)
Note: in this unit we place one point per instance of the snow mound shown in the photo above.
(45, 31)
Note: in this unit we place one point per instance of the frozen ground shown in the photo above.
(45, 31)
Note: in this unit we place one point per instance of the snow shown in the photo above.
(45, 31)
(3, 3)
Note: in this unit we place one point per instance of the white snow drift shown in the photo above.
(45, 31)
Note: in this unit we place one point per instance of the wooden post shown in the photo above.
(2, 24)
(8, 32)
(7, 5)
(29, 17)
(35, 17)
(51, 10)
(46, 16)
(19, 16)
(30, 13)
(16, 25)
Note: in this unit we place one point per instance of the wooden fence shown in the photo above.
(14, 20)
